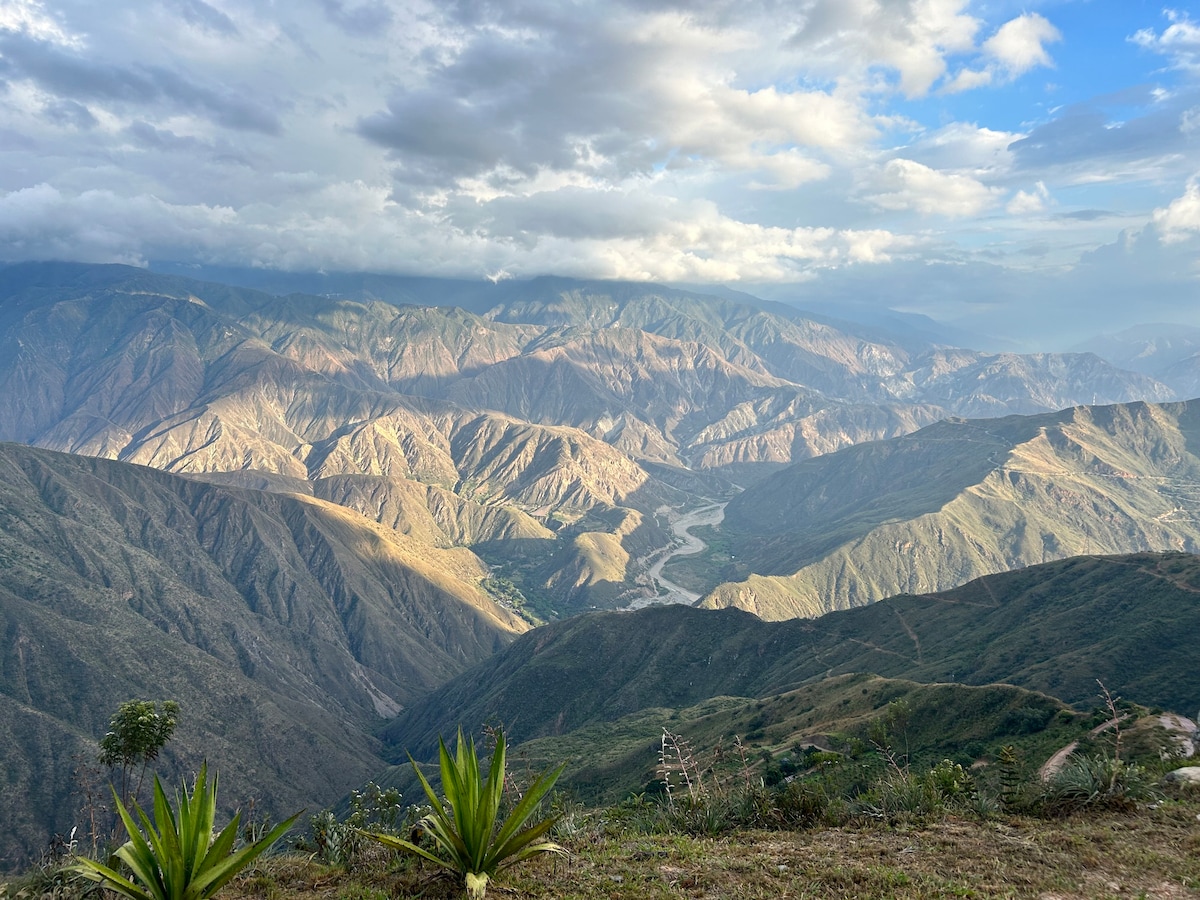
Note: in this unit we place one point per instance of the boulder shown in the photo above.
(1189, 776)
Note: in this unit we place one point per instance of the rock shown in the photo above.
(1188, 776)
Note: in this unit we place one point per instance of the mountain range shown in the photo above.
(325, 524)
(963, 498)
(1055, 628)
(500, 423)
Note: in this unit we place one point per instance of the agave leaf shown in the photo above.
(390, 840)
(521, 813)
(176, 857)
(466, 834)
(219, 872)
(110, 879)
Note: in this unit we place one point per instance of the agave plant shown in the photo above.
(177, 856)
(468, 838)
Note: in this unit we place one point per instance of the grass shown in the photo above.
(1154, 852)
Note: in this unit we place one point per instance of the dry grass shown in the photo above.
(1154, 853)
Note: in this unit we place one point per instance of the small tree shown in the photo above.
(136, 733)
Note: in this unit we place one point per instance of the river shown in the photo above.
(686, 544)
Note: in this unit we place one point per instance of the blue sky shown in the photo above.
(1024, 169)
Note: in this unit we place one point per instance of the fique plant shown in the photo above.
(467, 835)
(176, 857)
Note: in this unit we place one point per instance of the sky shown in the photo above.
(1027, 170)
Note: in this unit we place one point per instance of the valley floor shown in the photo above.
(1154, 853)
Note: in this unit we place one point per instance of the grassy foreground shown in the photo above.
(1153, 853)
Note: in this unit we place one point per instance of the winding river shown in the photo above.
(686, 544)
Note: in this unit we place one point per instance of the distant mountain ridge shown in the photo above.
(510, 418)
(960, 499)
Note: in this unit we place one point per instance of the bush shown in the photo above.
(467, 833)
(178, 856)
(1096, 782)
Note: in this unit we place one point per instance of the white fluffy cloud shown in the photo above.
(1029, 202)
(904, 184)
(1180, 40)
(751, 141)
(1017, 46)
(1181, 217)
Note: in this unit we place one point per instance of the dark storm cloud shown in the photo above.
(72, 76)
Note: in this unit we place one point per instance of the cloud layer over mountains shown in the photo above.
(868, 145)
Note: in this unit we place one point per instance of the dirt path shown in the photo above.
(1054, 764)
(1181, 726)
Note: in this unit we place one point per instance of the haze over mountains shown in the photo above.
(304, 516)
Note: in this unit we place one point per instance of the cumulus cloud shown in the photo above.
(1181, 217)
(904, 184)
(601, 97)
(1018, 46)
(1180, 40)
(910, 37)
(1029, 202)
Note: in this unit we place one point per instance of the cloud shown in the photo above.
(909, 37)
(29, 18)
(1018, 45)
(1028, 202)
(362, 20)
(907, 185)
(1180, 219)
(1091, 139)
(208, 18)
(1180, 41)
(352, 226)
(613, 97)
(62, 71)
(754, 141)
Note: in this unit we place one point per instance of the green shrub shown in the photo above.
(1096, 782)
(177, 856)
(466, 832)
(342, 842)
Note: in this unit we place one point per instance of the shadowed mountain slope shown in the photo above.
(1055, 628)
(286, 627)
